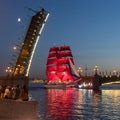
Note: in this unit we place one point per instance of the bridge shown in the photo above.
(114, 79)
(18, 72)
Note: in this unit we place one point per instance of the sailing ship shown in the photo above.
(60, 68)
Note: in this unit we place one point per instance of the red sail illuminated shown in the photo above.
(62, 48)
(52, 61)
(52, 55)
(58, 65)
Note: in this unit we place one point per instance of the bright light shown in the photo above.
(53, 72)
(80, 86)
(14, 47)
(19, 20)
(8, 70)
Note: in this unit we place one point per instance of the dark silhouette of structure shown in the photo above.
(20, 70)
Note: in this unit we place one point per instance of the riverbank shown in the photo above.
(18, 110)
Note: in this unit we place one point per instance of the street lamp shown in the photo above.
(114, 72)
(8, 71)
(14, 48)
(80, 71)
(96, 69)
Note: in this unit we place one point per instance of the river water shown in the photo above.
(78, 104)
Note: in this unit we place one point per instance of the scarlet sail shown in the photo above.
(58, 68)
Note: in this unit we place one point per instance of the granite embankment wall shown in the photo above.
(18, 110)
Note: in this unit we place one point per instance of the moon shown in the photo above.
(19, 20)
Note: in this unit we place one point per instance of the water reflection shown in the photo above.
(59, 103)
(86, 104)
(111, 104)
(76, 104)
(71, 104)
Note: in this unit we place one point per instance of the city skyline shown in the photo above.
(90, 28)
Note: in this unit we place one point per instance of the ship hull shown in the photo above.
(58, 86)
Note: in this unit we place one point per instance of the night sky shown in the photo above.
(90, 27)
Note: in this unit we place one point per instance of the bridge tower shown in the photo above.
(29, 44)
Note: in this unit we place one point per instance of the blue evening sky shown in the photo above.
(90, 27)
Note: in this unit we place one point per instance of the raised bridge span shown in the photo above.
(19, 71)
(31, 39)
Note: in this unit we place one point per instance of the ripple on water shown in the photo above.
(75, 104)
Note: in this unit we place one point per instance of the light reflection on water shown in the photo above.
(76, 104)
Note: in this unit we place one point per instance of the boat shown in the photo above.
(60, 68)
(89, 82)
